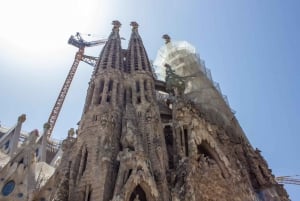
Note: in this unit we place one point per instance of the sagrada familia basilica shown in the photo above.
(143, 136)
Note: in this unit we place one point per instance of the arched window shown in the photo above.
(138, 194)
(137, 86)
(101, 87)
(183, 134)
(108, 95)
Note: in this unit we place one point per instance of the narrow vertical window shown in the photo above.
(99, 99)
(110, 85)
(181, 137)
(145, 85)
(37, 152)
(136, 64)
(130, 95)
(142, 58)
(101, 86)
(137, 86)
(186, 142)
(169, 144)
(138, 99)
(124, 98)
(89, 195)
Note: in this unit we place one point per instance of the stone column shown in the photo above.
(16, 135)
(44, 142)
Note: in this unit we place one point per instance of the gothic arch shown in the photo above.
(205, 143)
(140, 183)
(138, 194)
(143, 190)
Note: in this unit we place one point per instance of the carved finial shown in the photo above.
(71, 132)
(167, 38)
(134, 25)
(46, 126)
(33, 136)
(22, 118)
(116, 24)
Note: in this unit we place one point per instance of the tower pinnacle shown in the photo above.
(167, 38)
(116, 24)
(134, 25)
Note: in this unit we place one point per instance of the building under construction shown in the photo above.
(167, 135)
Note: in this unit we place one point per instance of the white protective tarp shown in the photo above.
(200, 87)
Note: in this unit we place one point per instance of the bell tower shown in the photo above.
(93, 166)
(142, 156)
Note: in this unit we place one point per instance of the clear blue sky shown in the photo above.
(251, 47)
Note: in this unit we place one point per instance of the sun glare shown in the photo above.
(43, 27)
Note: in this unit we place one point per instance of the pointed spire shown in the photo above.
(111, 54)
(137, 58)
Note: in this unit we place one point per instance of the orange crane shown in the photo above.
(294, 180)
(80, 43)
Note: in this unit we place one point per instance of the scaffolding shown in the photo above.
(200, 86)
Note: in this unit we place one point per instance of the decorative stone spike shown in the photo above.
(167, 38)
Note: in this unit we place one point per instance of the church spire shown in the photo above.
(111, 55)
(105, 85)
(137, 58)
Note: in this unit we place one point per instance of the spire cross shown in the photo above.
(134, 25)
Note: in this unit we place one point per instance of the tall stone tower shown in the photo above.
(140, 139)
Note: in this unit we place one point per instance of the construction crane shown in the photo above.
(80, 43)
(294, 180)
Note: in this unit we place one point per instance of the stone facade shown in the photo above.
(134, 145)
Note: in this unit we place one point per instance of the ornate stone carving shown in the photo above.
(104, 119)
(128, 139)
(22, 118)
(71, 132)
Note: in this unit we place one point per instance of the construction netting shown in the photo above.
(199, 85)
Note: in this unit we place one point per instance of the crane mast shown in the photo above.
(76, 41)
